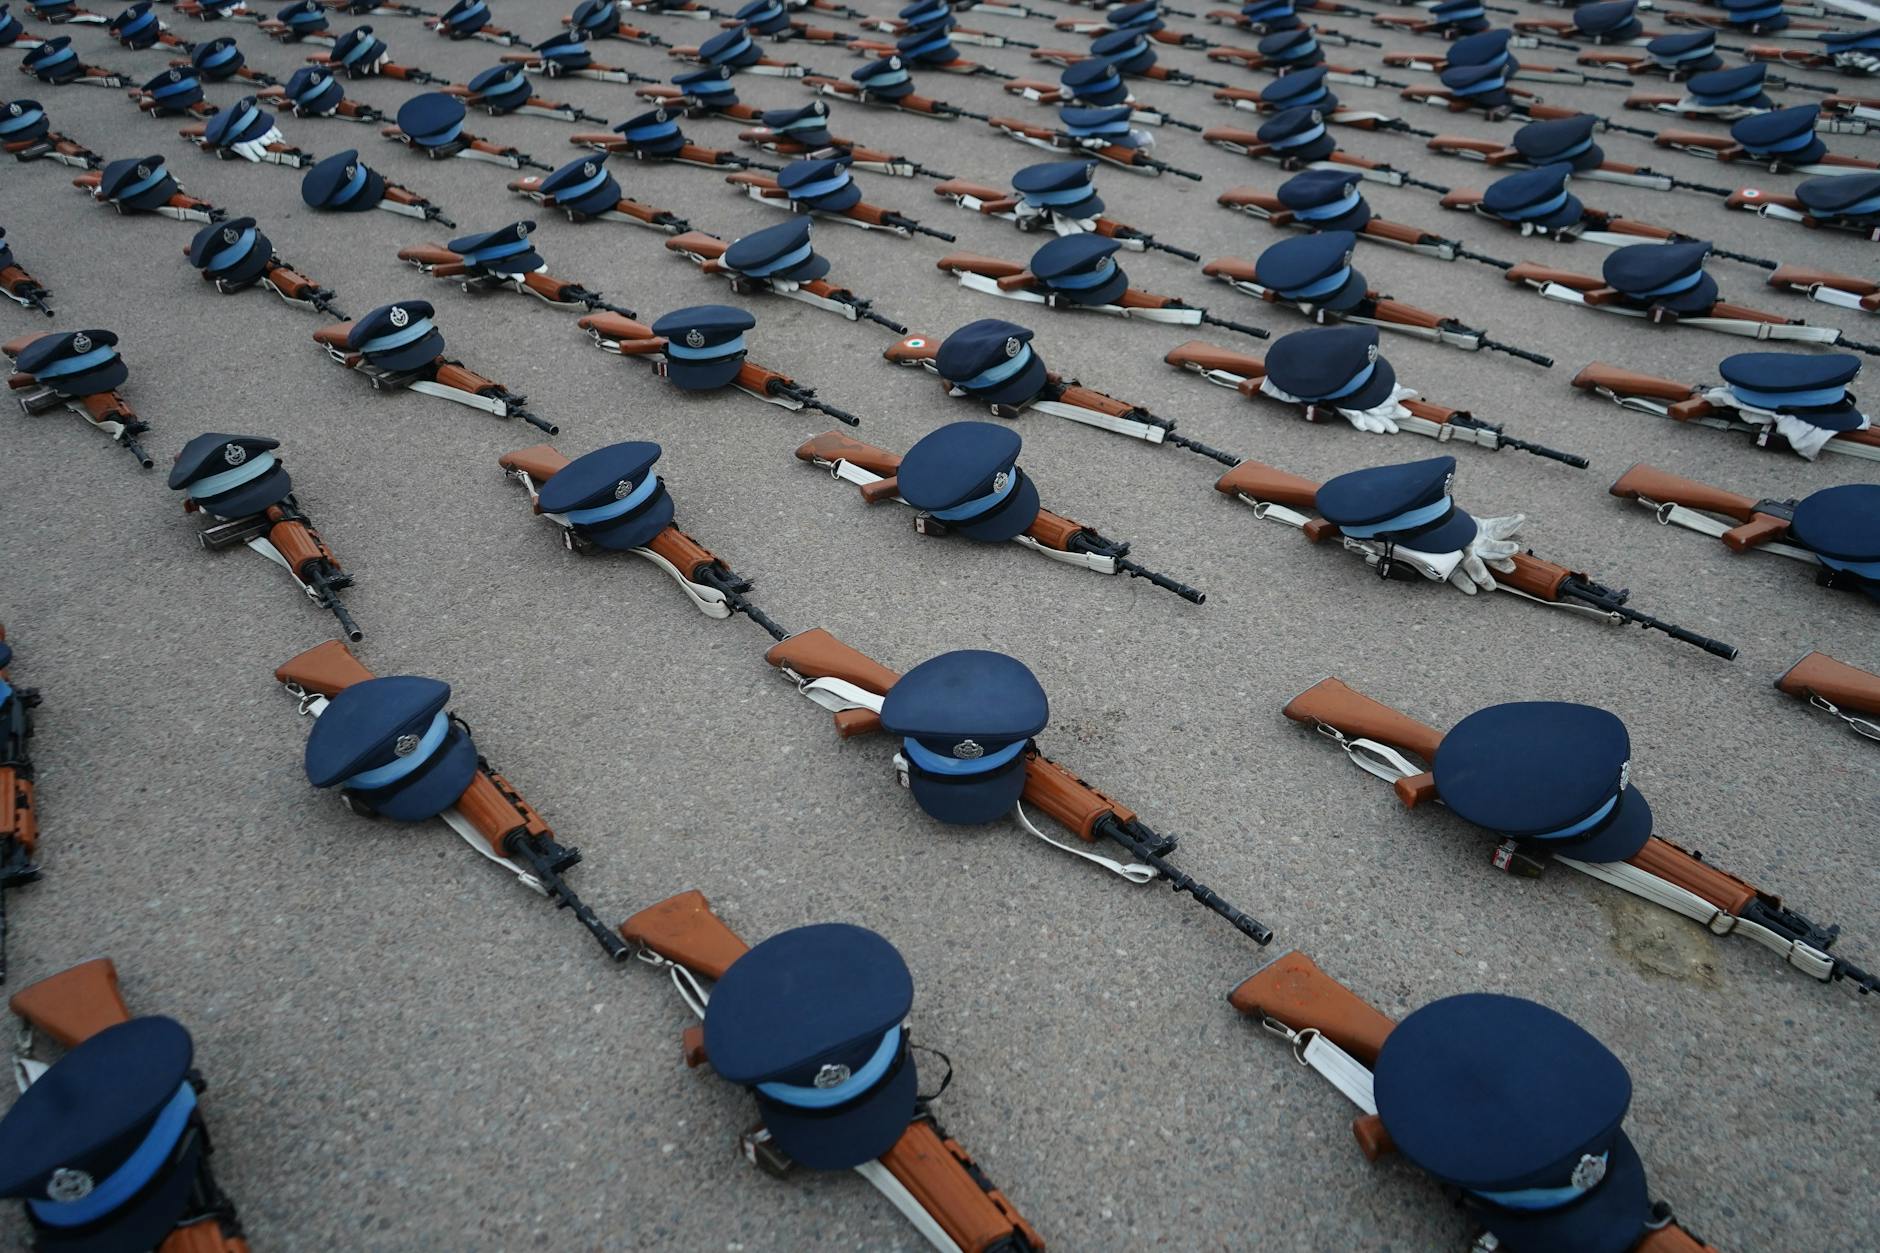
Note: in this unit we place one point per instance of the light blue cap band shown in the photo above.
(1008, 483)
(615, 508)
(857, 1083)
(1871, 205)
(1755, 15)
(1791, 144)
(399, 767)
(888, 78)
(822, 187)
(240, 124)
(1537, 210)
(1783, 401)
(353, 184)
(397, 339)
(1303, 137)
(143, 185)
(20, 123)
(1482, 88)
(56, 59)
(1694, 54)
(651, 131)
(227, 52)
(1118, 127)
(1419, 516)
(1000, 372)
(581, 189)
(1584, 825)
(938, 43)
(808, 122)
(496, 252)
(369, 46)
(934, 763)
(316, 87)
(138, 24)
(1105, 271)
(1675, 286)
(1541, 1198)
(1337, 208)
(711, 352)
(1323, 287)
(1749, 92)
(796, 256)
(1069, 195)
(476, 13)
(234, 252)
(438, 139)
(182, 86)
(712, 87)
(76, 365)
(129, 1179)
(1363, 376)
(6, 693)
(736, 49)
(1865, 569)
(228, 480)
(1305, 49)
(503, 87)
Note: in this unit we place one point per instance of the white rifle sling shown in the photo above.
(1135, 872)
(1220, 378)
(411, 210)
(488, 404)
(1339, 1068)
(990, 286)
(1834, 296)
(836, 695)
(707, 600)
(885, 1183)
(1271, 512)
(1691, 519)
(1088, 561)
(1147, 431)
(27, 1070)
(1655, 182)
(782, 402)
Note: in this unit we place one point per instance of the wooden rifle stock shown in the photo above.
(1841, 685)
(334, 335)
(914, 350)
(1263, 482)
(1803, 277)
(452, 374)
(323, 670)
(300, 544)
(1230, 268)
(1672, 1238)
(699, 243)
(686, 554)
(684, 929)
(816, 654)
(1331, 703)
(1394, 232)
(428, 255)
(1650, 483)
(1629, 383)
(833, 446)
(1052, 530)
(1531, 272)
(1401, 314)
(973, 263)
(1675, 865)
(1203, 355)
(74, 1005)
(540, 462)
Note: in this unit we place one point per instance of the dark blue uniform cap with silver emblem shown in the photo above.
(76, 363)
(1549, 773)
(303, 17)
(1107, 122)
(1865, 39)
(704, 345)
(1785, 134)
(1740, 87)
(1066, 188)
(432, 119)
(313, 89)
(507, 250)
(243, 122)
(822, 184)
(992, 360)
(964, 719)
(782, 253)
(711, 85)
(54, 61)
(1568, 139)
(1301, 89)
(233, 252)
(567, 50)
(501, 87)
(11, 29)
(1298, 134)
(1316, 269)
(1611, 21)
(231, 476)
(1686, 51)
(1270, 15)
(1095, 81)
(1333, 365)
(1327, 200)
(887, 78)
(1405, 504)
(104, 1146)
(1811, 388)
(929, 45)
(465, 17)
(23, 121)
(811, 1021)
(1538, 196)
(925, 12)
(1841, 526)
(808, 125)
(389, 744)
(358, 50)
(174, 90)
(217, 59)
(1762, 17)
(137, 183)
(1671, 275)
(1141, 15)
(1081, 269)
(611, 495)
(1489, 47)
(342, 182)
(1291, 48)
(1466, 16)
(1519, 1108)
(766, 17)
(966, 474)
(397, 337)
(1478, 84)
(136, 27)
(583, 185)
(733, 47)
(655, 132)
(1128, 50)
(600, 17)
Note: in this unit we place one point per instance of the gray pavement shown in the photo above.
(406, 1051)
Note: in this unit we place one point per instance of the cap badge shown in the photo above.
(68, 1185)
(1012, 346)
(522, 228)
(81, 342)
(968, 750)
(589, 169)
(143, 171)
(234, 454)
(695, 338)
(660, 115)
(406, 746)
(400, 317)
(623, 489)
(14, 109)
(830, 1076)
(999, 481)
(1625, 775)
(1589, 1172)
(352, 171)
(894, 63)
(175, 76)
(1370, 353)
(230, 235)
(1317, 117)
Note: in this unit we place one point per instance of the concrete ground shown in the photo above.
(406, 1051)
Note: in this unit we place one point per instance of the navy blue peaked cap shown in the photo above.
(1339, 366)
(1611, 21)
(53, 61)
(507, 250)
(1784, 134)
(466, 17)
(303, 17)
(313, 89)
(1269, 15)
(241, 123)
(11, 29)
(1466, 16)
(655, 132)
(1327, 200)
(1841, 525)
(1568, 139)
(1490, 47)
(137, 183)
(1142, 15)
(766, 17)
(808, 125)
(397, 337)
(711, 85)
(887, 78)
(388, 742)
(135, 27)
(1109, 122)
(233, 252)
(342, 182)
(1811, 388)
(23, 121)
(1760, 17)
(231, 476)
(1313, 268)
(1538, 196)
(1095, 81)
(6, 656)
(928, 45)
(6, 258)
(357, 50)
(1865, 39)
(76, 363)
(1520, 1108)
(611, 495)
(812, 1021)
(501, 88)
(781, 253)
(1687, 51)
(432, 119)
(733, 47)
(104, 1146)
(964, 719)
(600, 17)
(174, 90)
(1671, 275)
(1067, 188)
(822, 184)
(1741, 86)
(1298, 133)
(217, 59)
(1405, 504)
(1128, 50)
(1477, 84)
(966, 474)
(583, 185)
(992, 360)
(1081, 268)
(1852, 197)
(704, 345)
(1549, 773)
(1302, 88)
(1292, 48)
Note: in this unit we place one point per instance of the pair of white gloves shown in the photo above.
(1493, 548)
(1378, 420)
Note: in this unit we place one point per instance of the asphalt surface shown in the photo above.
(407, 1051)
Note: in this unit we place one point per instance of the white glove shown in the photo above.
(1377, 421)
(1490, 549)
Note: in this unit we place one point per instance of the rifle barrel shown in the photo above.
(1469, 255)
(1196, 446)
(1397, 125)
(1623, 129)
(129, 440)
(1495, 345)
(809, 400)
(1178, 124)
(1690, 186)
(739, 604)
(329, 600)
(1606, 599)
(862, 309)
(1872, 350)
(1519, 445)
(529, 848)
(1761, 263)
(1242, 327)
(1149, 847)
(1163, 581)
(1438, 188)
(524, 159)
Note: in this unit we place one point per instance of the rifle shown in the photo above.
(1135, 160)
(1834, 687)
(1281, 497)
(628, 338)
(104, 411)
(52, 146)
(1493, 152)
(1270, 208)
(1016, 282)
(928, 1176)
(715, 589)
(873, 470)
(1725, 150)
(75, 1005)
(1596, 226)
(181, 206)
(850, 683)
(1375, 737)
(1845, 290)
(490, 816)
(1244, 373)
(861, 157)
(440, 262)
(1711, 406)
(1339, 1034)
(19, 823)
(707, 251)
(533, 106)
(1248, 144)
(626, 209)
(470, 148)
(765, 190)
(443, 378)
(24, 288)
